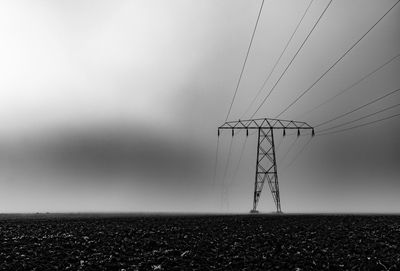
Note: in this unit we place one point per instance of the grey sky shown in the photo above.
(113, 106)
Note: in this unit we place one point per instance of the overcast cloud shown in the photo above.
(114, 105)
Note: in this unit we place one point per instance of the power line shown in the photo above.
(279, 144)
(277, 61)
(225, 190)
(364, 117)
(241, 155)
(245, 60)
(240, 160)
(358, 108)
(291, 61)
(227, 161)
(289, 149)
(361, 125)
(225, 172)
(216, 161)
(334, 64)
(349, 87)
(298, 154)
(281, 141)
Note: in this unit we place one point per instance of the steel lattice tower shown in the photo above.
(266, 167)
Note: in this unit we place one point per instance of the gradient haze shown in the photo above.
(114, 105)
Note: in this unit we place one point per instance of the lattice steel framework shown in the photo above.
(266, 167)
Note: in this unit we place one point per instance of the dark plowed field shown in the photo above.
(240, 242)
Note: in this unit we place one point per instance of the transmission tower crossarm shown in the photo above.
(265, 123)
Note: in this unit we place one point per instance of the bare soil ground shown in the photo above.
(199, 242)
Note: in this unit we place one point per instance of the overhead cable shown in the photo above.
(291, 61)
(277, 61)
(245, 60)
(357, 126)
(349, 87)
(358, 108)
(334, 64)
(364, 117)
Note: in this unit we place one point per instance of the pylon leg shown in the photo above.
(266, 168)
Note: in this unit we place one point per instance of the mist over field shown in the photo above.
(114, 106)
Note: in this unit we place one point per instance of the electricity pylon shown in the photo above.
(266, 167)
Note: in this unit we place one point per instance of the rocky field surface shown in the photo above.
(203, 242)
